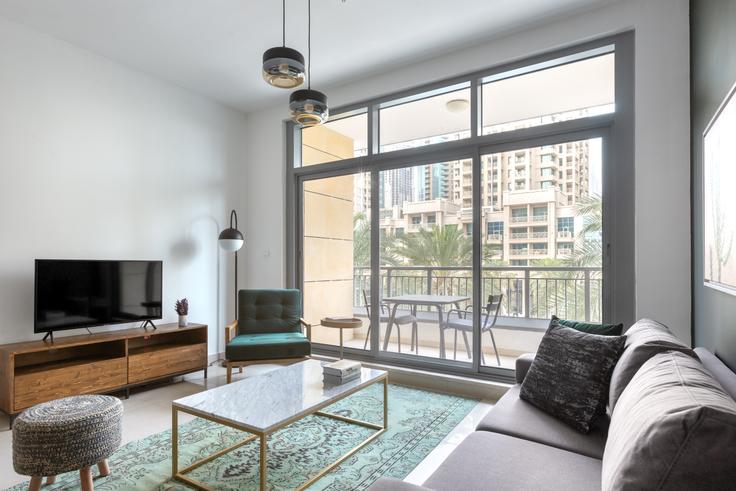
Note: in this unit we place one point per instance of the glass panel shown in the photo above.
(337, 231)
(547, 258)
(435, 119)
(574, 90)
(338, 139)
(426, 250)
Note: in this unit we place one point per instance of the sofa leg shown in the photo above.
(229, 373)
(240, 369)
(50, 479)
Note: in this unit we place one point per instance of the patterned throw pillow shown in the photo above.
(589, 327)
(570, 375)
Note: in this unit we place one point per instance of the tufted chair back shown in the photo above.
(267, 311)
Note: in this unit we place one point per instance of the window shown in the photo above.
(425, 119)
(422, 202)
(495, 229)
(338, 139)
(536, 97)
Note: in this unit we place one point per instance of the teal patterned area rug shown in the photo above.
(418, 421)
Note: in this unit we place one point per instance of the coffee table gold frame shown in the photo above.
(179, 474)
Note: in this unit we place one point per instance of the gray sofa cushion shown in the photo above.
(491, 461)
(673, 428)
(515, 417)
(718, 370)
(570, 374)
(523, 364)
(644, 339)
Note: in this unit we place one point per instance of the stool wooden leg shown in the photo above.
(240, 369)
(104, 468)
(85, 478)
(35, 483)
(50, 479)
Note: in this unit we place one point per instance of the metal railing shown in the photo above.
(528, 291)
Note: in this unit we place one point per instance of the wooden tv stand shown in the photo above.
(37, 371)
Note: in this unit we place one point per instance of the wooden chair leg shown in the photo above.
(104, 468)
(50, 479)
(229, 373)
(85, 479)
(35, 483)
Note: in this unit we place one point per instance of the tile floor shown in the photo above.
(148, 411)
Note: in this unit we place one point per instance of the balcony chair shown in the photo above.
(464, 323)
(399, 320)
(268, 330)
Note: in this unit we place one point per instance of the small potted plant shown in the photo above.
(182, 308)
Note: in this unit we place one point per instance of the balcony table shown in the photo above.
(438, 301)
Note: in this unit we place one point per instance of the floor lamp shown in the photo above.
(231, 240)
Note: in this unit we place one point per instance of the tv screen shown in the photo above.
(72, 293)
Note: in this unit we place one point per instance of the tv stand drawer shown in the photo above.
(68, 378)
(158, 361)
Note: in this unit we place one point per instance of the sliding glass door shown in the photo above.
(454, 221)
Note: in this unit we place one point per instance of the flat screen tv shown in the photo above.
(70, 294)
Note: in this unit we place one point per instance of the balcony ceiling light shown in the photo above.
(457, 105)
(283, 67)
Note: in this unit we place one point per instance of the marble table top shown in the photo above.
(425, 299)
(266, 402)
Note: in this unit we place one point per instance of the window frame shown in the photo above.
(615, 129)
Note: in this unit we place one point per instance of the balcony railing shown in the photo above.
(539, 218)
(528, 292)
(519, 235)
(519, 252)
(519, 218)
(539, 235)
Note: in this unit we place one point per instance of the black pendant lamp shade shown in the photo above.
(283, 67)
(308, 107)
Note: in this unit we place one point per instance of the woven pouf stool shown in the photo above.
(73, 433)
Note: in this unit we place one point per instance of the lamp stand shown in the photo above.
(236, 285)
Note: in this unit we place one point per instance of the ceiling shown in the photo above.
(214, 47)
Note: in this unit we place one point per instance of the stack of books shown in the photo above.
(341, 371)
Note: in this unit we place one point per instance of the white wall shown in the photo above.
(99, 161)
(661, 154)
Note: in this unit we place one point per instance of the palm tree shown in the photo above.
(362, 244)
(436, 246)
(588, 249)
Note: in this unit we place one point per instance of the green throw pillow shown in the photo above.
(590, 328)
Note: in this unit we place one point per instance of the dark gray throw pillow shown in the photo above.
(570, 375)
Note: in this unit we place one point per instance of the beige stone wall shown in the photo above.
(328, 234)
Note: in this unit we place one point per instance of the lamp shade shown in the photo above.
(231, 240)
(308, 107)
(283, 67)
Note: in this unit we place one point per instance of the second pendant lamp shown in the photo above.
(308, 107)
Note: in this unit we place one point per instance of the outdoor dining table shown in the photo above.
(438, 301)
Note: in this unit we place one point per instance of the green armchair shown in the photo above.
(269, 329)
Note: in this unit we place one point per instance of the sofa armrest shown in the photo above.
(308, 327)
(523, 363)
(391, 484)
(230, 330)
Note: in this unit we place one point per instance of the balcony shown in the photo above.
(531, 295)
(519, 235)
(539, 235)
(540, 218)
(519, 219)
(539, 252)
(564, 234)
(495, 237)
(519, 252)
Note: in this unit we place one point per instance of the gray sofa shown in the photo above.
(673, 427)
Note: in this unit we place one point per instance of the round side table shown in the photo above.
(341, 323)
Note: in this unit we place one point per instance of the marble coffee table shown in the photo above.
(263, 404)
